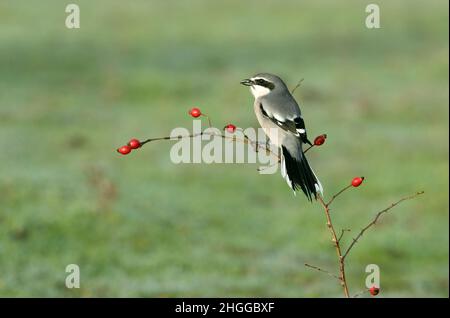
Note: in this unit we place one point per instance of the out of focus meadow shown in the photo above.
(138, 225)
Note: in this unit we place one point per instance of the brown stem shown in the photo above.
(322, 271)
(342, 234)
(306, 150)
(337, 246)
(297, 86)
(336, 240)
(256, 146)
(209, 120)
(168, 138)
(338, 194)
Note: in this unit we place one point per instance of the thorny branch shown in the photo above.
(256, 145)
(337, 246)
(342, 234)
(337, 241)
(195, 112)
(337, 194)
(297, 86)
(322, 270)
(326, 206)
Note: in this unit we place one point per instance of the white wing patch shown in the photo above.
(278, 117)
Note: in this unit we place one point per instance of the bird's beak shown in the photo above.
(247, 82)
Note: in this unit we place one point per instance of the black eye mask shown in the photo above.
(262, 82)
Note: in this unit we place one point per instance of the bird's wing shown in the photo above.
(292, 123)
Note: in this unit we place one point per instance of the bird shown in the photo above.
(281, 119)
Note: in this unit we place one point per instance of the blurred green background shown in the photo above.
(139, 225)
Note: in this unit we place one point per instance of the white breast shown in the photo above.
(272, 131)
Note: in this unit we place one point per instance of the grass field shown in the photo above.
(139, 225)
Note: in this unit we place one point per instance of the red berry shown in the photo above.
(195, 112)
(374, 290)
(230, 128)
(356, 182)
(320, 140)
(134, 143)
(124, 150)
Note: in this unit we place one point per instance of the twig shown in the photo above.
(338, 194)
(256, 146)
(336, 241)
(322, 270)
(342, 234)
(337, 246)
(297, 86)
(209, 120)
(374, 221)
(306, 150)
(326, 206)
(169, 138)
(360, 293)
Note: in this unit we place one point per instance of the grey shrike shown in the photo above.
(277, 110)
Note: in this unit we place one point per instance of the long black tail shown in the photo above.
(298, 174)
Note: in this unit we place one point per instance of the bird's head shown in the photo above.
(263, 84)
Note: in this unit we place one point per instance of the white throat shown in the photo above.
(259, 91)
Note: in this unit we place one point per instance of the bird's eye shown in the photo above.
(260, 81)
